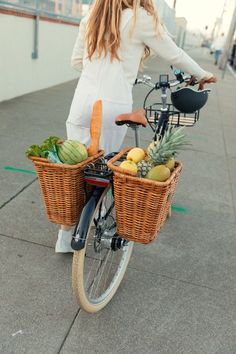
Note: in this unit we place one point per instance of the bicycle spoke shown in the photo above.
(108, 273)
(95, 260)
(104, 265)
(90, 272)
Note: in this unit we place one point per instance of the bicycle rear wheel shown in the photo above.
(99, 267)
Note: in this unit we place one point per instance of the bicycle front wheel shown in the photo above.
(98, 269)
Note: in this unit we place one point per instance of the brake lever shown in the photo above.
(192, 81)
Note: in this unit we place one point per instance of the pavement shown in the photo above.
(178, 295)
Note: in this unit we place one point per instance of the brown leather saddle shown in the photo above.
(137, 117)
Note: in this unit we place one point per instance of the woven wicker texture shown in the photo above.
(63, 189)
(141, 205)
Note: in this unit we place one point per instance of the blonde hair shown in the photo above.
(103, 34)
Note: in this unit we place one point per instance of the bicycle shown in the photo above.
(101, 256)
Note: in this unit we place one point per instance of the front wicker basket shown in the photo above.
(141, 205)
(63, 188)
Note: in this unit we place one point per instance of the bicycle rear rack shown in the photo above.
(97, 173)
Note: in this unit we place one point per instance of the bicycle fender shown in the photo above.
(81, 229)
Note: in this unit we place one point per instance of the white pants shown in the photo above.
(112, 136)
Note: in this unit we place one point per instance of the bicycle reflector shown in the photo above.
(188, 100)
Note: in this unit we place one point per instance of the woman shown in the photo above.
(113, 40)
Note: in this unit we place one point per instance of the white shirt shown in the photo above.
(132, 47)
(219, 43)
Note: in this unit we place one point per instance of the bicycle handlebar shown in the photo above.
(146, 80)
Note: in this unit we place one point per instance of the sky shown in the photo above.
(201, 13)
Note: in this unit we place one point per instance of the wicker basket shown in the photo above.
(63, 188)
(141, 205)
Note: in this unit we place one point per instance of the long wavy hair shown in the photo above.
(103, 34)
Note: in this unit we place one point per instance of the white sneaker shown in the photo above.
(63, 244)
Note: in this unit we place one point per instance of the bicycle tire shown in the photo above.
(81, 259)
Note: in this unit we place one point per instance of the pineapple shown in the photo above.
(144, 167)
(172, 141)
(152, 144)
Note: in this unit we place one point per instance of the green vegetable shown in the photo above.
(43, 150)
(34, 150)
(49, 143)
(52, 155)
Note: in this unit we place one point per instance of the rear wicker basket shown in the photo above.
(63, 188)
(141, 205)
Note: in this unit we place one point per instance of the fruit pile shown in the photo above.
(158, 161)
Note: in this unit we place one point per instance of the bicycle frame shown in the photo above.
(163, 121)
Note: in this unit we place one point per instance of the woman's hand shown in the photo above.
(209, 79)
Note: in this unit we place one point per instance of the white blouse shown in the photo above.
(132, 46)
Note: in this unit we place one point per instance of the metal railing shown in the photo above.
(68, 10)
(63, 10)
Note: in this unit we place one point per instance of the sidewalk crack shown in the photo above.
(68, 332)
(231, 291)
(20, 191)
(23, 240)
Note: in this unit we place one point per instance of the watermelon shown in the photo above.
(72, 152)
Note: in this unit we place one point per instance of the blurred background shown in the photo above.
(37, 37)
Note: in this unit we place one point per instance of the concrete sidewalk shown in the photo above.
(178, 296)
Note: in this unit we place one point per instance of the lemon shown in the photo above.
(159, 173)
(136, 155)
(129, 166)
(170, 164)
